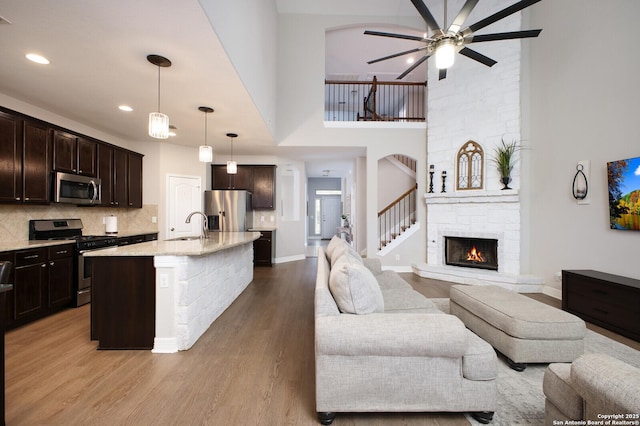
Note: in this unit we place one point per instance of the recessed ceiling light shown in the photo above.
(410, 60)
(38, 59)
(125, 108)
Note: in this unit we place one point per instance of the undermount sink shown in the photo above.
(189, 238)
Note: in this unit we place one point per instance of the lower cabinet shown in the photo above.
(42, 281)
(264, 248)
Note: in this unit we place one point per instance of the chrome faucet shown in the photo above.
(205, 228)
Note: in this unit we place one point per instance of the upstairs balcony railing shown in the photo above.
(374, 101)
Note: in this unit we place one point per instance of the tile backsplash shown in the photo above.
(14, 219)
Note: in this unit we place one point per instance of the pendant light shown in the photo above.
(159, 122)
(232, 166)
(205, 154)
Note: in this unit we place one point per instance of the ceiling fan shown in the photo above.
(443, 44)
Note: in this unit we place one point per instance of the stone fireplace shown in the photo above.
(490, 219)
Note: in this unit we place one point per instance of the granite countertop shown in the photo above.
(30, 244)
(217, 241)
(263, 228)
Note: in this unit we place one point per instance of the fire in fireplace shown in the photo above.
(471, 252)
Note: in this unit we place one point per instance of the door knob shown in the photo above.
(172, 229)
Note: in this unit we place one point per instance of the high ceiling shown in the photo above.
(98, 60)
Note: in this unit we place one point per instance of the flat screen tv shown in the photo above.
(624, 194)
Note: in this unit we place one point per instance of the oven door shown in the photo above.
(83, 293)
(75, 189)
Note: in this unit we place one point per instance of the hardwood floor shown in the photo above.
(254, 365)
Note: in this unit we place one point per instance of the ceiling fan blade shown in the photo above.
(442, 74)
(498, 16)
(423, 10)
(415, 65)
(476, 56)
(462, 16)
(502, 36)
(392, 35)
(395, 55)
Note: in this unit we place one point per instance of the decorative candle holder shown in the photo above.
(444, 178)
(431, 172)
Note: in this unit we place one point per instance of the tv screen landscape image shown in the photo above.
(624, 194)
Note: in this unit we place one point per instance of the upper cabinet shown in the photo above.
(25, 154)
(31, 149)
(73, 154)
(120, 173)
(259, 179)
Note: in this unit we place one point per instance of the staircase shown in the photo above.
(397, 218)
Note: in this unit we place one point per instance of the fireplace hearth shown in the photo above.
(481, 253)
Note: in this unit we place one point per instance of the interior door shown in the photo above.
(184, 196)
(331, 208)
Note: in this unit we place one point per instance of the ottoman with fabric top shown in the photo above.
(522, 329)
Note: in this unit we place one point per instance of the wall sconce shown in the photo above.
(232, 166)
(159, 122)
(580, 186)
(205, 154)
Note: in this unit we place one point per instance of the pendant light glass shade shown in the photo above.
(159, 122)
(205, 153)
(158, 125)
(232, 166)
(445, 54)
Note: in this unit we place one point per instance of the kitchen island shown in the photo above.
(163, 295)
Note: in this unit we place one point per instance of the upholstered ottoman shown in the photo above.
(523, 329)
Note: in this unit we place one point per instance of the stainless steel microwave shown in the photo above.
(75, 189)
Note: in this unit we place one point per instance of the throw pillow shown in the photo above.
(335, 242)
(342, 250)
(354, 288)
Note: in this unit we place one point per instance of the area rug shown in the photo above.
(520, 397)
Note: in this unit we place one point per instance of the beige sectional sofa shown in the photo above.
(380, 346)
(594, 387)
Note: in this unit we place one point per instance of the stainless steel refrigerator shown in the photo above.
(228, 210)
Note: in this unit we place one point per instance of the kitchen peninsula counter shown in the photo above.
(163, 295)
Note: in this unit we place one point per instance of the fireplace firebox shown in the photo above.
(479, 253)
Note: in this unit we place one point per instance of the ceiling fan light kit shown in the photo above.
(159, 122)
(444, 43)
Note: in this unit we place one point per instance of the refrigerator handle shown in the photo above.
(221, 213)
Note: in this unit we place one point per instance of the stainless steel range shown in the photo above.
(71, 229)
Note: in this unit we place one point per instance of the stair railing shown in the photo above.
(399, 215)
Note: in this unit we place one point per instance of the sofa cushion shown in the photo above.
(402, 299)
(354, 288)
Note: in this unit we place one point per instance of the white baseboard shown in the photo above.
(289, 258)
(165, 345)
(553, 292)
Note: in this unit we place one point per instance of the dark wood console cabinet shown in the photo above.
(607, 300)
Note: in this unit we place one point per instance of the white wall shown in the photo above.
(392, 183)
(247, 30)
(301, 54)
(584, 106)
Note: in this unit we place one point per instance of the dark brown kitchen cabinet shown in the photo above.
(60, 275)
(42, 281)
(134, 180)
(25, 152)
(120, 173)
(264, 181)
(73, 154)
(105, 173)
(36, 169)
(258, 179)
(264, 248)
(10, 158)
(30, 279)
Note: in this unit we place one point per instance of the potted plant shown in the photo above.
(504, 159)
